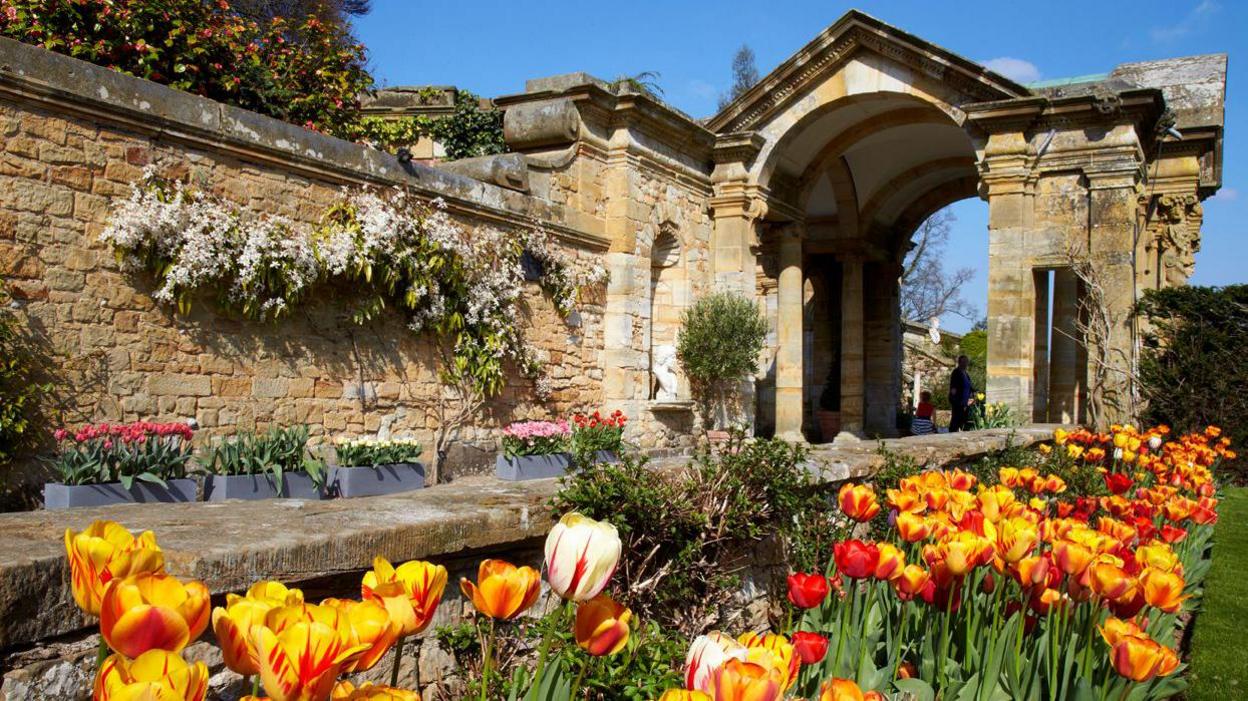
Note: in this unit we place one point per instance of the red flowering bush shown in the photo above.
(308, 73)
(103, 453)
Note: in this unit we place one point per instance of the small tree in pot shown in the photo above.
(720, 339)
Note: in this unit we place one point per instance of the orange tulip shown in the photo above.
(152, 612)
(837, 689)
(912, 527)
(1016, 538)
(1072, 558)
(602, 626)
(156, 675)
(410, 593)
(1140, 659)
(1162, 589)
(303, 661)
(891, 562)
(771, 650)
(1158, 556)
(858, 502)
(1115, 629)
(234, 624)
(503, 590)
(685, 695)
(371, 625)
(745, 681)
(1110, 581)
(912, 580)
(103, 552)
(346, 691)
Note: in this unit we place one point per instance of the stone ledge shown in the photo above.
(232, 544)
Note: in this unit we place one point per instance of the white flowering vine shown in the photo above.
(396, 250)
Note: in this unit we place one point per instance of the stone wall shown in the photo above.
(75, 137)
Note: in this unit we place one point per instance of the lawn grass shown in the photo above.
(1219, 659)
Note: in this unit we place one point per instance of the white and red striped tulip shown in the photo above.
(581, 555)
(708, 653)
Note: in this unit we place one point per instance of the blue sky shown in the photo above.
(492, 47)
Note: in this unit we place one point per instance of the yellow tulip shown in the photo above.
(346, 691)
(772, 650)
(411, 592)
(1016, 538)
(581, 556)
(602, 626)
(685, 695)
(156, 675)
(303, 661)
(502, 590)
(103, 552)
(371, 625)
(152, 612)
(1162, 589)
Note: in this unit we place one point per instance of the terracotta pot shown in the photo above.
(717, 436)
(829, 423)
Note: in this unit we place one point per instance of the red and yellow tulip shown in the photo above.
(152, 612)
(105, 551)
(302, 662)
(410, 593)
(602, 626)
(155, 675)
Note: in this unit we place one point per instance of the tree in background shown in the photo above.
(744, 75)
(928, 291)
(327, 10)
(1193, 370)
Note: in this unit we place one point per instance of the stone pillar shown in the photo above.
(1011, 291)
(881, 347)
(1040, 378)
(789, 405)
(1112, 201)
(853, 368)
(1065, 372)
(733, 243)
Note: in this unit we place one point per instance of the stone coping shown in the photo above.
(231, 544)
(94, 93)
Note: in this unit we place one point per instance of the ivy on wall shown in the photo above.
(469, 131)
(391, 249)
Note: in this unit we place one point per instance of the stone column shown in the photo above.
(881, 347)
(789, 405)
(1112, 199)
(733, 242)
(1011, 291)
(1040, 378)
(1065, 371)
(853, 367)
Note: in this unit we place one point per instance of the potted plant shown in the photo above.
(263, 466)
(720, 339)
(596, 438)
(534, 450)
(368, 467)
(118, 463)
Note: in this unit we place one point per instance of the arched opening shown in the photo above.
(669, 291)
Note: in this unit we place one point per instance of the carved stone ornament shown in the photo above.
(663, 365)
(1177, 230)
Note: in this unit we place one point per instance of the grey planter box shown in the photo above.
(295, 485)
(606, 456)
(66, 496)
(378, 480)
(532, 467)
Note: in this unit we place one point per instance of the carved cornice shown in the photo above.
(738, 147)
(834, 46)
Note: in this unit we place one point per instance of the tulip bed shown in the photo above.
(1012, 587)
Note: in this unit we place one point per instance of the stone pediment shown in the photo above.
(853, 33)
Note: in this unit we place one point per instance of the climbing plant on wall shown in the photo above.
(393, 250)
(467, 132)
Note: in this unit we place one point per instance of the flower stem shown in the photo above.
(255, 685)
(487, 652)
(398, 657)
(101, 654)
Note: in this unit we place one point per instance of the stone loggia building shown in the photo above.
(802, 194)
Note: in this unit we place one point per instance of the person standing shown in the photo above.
(961, 395)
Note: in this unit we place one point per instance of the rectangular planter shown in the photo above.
(609, 457)
(66, 496)
(532, 467)
(295, 485)
(377, 480)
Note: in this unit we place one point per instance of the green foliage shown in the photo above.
(274, 452)
(682, 529)
(720, 338)
(308, 72)
(974, 345)
(1193, 367)
(468, 132)
(20, 386)
(122, 453)
(367, 453)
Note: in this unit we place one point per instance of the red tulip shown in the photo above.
(1117, 482)
(856, 559)
(806, 591)
(810, 647)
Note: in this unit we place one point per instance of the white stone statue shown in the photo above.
(663, 365)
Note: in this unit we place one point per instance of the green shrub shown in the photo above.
(683, 531)
(1193, 369)
(308, 72)
(366, 452)
(21, 387)
(720, 338)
